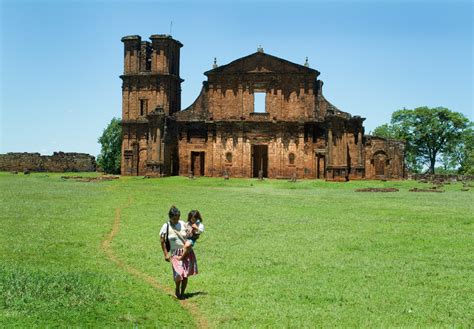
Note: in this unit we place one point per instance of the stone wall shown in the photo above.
(236, 149)
(384, 158)
(441, 177)
(58, 162)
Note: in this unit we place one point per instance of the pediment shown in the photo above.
(260, 62)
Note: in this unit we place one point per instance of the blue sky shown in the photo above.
(61, 60)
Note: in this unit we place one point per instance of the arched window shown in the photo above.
(228, 157)
(291, 158)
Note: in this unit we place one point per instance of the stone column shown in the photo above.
(300, 160)
(240, 141)
(158, 145)
(359, 145)
(344, 148)
(209, 165)
(219, 149)
(329, 153)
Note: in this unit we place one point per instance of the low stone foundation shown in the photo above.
(58, 162)
(441, 178)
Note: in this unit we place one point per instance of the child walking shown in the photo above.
(194, 228)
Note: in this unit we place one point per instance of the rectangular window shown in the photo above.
(259, 102)
(143, 106)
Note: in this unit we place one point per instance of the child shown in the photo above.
(194, 228)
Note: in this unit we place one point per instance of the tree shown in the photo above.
(431, 135)
(462, 153)
(387, 131)
(111, 150)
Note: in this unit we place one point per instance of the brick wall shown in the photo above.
(58, 162)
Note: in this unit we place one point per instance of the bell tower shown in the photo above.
(151, 93)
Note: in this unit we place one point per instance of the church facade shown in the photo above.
(259, 115)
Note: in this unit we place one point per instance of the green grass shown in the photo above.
(275, 253)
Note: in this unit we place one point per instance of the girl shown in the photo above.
(194, 228)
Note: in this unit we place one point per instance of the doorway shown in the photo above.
(197, 163)
(320, 166)
(260, 160)
(380, 160)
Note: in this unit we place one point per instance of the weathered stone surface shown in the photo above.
(377, 189)
(58, 162)
(424, 178)
(299, 134)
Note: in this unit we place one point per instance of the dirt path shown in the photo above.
(106, 245)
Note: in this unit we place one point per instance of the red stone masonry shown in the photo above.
(299, 134)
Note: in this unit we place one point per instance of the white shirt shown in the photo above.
(175, 242)
(199, 225)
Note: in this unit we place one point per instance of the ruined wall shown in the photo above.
(384, 158)
(232, 98)
(58, 162)
(231, 147)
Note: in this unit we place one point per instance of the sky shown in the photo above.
(60, 61)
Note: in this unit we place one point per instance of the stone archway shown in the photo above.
(379, 161)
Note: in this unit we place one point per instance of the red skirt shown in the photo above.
(184, 268)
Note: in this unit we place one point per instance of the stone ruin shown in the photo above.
(58, 162)
(440, 178)
(259, 116)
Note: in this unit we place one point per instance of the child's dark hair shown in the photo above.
(194, 214)
(173, 212)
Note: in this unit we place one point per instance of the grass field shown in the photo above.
(275, 254)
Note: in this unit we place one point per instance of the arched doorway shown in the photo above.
(379, 161)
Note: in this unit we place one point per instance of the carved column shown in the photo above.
(359, 145)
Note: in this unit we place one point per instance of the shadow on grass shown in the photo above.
(194, 294)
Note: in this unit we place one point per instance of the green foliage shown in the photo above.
(387, 131)
(111, 151)
(431, 135)
(463, 153)
(274, 254)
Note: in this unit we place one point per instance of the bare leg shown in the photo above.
(186, 248)
(177, 290)
(184, 284)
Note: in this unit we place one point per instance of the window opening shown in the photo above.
(259, 102)
(143, 106)
(291, 158)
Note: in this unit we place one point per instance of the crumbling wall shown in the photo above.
(384, 158)
(58, 162)
(441, 177)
